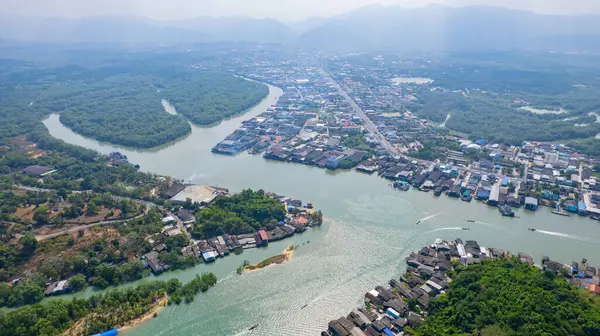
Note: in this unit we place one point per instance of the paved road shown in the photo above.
(367, 123)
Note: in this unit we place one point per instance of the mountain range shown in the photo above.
(376, 27)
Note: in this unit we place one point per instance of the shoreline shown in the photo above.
(157, 308)
(287, 255)
(170, 143)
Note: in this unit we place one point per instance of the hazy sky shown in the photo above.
(286, 10)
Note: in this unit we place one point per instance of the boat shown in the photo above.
(470, 221)
(304, 306)
(253, 327)
(531, 229)
(402, 185)
(506, 211)
(418, 222)
(560, 211)
(466, 229)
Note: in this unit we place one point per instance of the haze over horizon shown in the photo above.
(283, 10)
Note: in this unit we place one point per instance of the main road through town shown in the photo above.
(367, 123)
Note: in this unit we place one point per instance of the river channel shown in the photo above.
(368, 230)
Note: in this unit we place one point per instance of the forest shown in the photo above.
(509, 297)
(587, 146)
(209, 97)
(495, 119)
(245, 212)
(121, 103)
(123, 109)
(99, 312)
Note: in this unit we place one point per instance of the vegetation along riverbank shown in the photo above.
(116, 308)
(286, 255)
(72, 218)
(456, 288)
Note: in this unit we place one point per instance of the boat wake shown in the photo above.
(427, 218)
(225, 278)
(454, 228)
(569, 236)
(491, 225)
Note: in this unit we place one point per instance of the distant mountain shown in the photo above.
(301, 27)
(439, 28)
(238, 29)
(140, 31)
(111, 30)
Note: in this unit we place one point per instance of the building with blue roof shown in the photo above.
(581, 208)
(388, 332)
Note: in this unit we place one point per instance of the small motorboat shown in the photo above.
(531, 229)
(253, 327)
(470, 221)
(466, 229)
(418, 222)
(304, 306)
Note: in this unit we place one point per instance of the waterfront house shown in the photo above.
(152, 261)
(209, 255)
(581, 208)
(455, 191)
(531, 203)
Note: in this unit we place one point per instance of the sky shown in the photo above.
(284, 10)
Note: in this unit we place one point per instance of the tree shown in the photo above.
(41, 215)
(173, 285)
(92, 209)
(77, 282)
(29, 243)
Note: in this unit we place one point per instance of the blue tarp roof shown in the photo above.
(388, 332)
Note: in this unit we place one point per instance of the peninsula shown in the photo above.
(450, 280)
(106, 223)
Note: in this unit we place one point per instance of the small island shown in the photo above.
(286, 255)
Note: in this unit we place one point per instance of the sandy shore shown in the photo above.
(160, 305)
(77, 328)
(288, 253)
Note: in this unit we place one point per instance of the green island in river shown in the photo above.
(123, 107)
(286, 255)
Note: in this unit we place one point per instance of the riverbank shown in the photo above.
(286, 255)
(430, 273)
(157, 307)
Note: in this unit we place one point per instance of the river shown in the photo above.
(368, 230)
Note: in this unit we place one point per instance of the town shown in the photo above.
(333, 120)
(389, 311)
